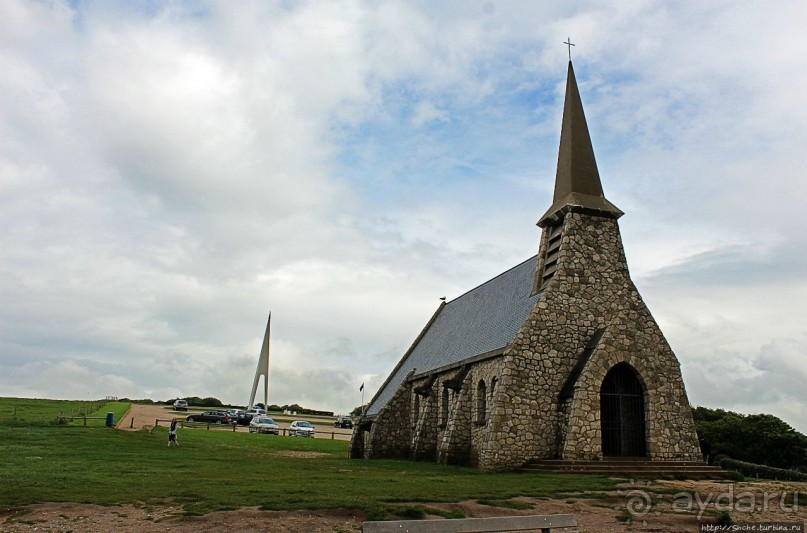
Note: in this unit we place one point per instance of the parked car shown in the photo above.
(301, 428)
(181, 405)
(215, 417)
(263, 424)
(246, 418)
(344, 422)
(234, 415)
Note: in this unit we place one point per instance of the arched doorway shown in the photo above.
(622, 413)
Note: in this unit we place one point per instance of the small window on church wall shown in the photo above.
(481, 402)
(444, 406)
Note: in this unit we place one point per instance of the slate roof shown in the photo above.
(482, 320)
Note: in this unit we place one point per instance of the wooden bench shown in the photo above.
(543, 523)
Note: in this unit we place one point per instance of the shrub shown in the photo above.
(759, 439)
(755, 470)
(412, 513)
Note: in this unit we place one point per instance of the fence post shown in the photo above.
(333, 435)
(132, 423)
(85, 420)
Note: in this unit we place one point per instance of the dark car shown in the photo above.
(214, 417)
(246, 417)
(344, 422)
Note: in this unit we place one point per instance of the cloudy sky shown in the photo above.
(172, 171)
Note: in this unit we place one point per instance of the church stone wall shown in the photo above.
(590, 291)
(391, 432)
(426, 426)
(413, 425)
(465, 432)
(589, 319)
(489, 372)
(670, 432)
(455, 445)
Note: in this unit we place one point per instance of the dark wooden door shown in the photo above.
(622, 413)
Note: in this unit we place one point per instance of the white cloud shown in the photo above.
(426, 112)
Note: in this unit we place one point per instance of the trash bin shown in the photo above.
(110, 419)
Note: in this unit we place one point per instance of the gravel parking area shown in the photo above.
(147, 415)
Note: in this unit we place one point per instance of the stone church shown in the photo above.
(556, 358)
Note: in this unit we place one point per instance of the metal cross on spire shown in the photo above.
(568, 42)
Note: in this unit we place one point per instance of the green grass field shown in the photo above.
(25, 411)
(219, 470)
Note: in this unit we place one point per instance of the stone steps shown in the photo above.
(628, 467)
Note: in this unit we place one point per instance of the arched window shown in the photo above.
(493, 382)
(444, 406)
(481, 402)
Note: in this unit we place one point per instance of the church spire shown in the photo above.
(577, 181)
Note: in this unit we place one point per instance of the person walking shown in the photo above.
(172, 433)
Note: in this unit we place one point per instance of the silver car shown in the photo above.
(301, 428)
(263, 424)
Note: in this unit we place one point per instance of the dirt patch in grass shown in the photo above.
(96, 519)
(300, 454)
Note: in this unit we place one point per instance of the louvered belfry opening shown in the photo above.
(551, 254)
(622, 413)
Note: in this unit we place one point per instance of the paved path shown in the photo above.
(144, 415)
